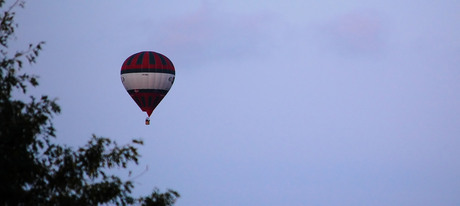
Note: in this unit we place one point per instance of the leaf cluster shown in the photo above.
(36, 171)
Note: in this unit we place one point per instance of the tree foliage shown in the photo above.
(36, 171)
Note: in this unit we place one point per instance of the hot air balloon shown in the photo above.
(147, 76)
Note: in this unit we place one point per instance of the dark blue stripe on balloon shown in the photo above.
(130, 59)
(159, 91)
(150, 101)
(163, 60)
(151, 58)
(140, 58)
(143, 101)
(143, 70)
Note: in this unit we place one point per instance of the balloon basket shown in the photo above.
(147, 121)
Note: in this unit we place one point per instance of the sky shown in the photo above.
(274, 103)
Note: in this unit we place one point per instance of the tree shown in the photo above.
(36, 171)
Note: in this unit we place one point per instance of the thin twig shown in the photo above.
(14, 5)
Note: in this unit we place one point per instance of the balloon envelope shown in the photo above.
(147, 77)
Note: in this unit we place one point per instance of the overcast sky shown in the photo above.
(275, 102)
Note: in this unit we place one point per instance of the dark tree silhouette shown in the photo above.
(36, 171)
